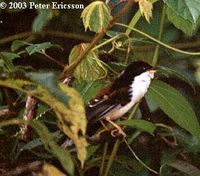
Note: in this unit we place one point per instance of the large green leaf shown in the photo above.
(175, 106)
(96, 16)
(187, 9)
(184, 14)
(186, 26)
(65, 102)
(90, 68)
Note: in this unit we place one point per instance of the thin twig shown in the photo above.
(112, 157)
(140, 161)
(103, 159)
(52, 59)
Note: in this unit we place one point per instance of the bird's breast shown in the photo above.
(139, 87)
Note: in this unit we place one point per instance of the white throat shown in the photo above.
(140, 86)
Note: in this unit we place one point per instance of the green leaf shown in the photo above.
(44, 16)
(88, 90)
(187, 9)
(142, 125)
(91, 68)
(49, 82)
(96, 16)
(180, 23)
(184, 14)
(91, 150)
(30, 145)
(71, 119)
(38, 47)
(175, 106)
(7, 58)
(61, 154)
(18, 44)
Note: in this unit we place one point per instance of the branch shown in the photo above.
(68, 70)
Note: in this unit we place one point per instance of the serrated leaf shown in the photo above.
(175, 106)
(96, 16)
(17, 44)
(44, 16)
(72, 120)
(38, 47)
(184, 14)
(146, 8)
(185, 25)
(187, 9)
(50, 170)
(142, 125)
(90, 68)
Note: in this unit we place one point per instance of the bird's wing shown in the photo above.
(106, 104)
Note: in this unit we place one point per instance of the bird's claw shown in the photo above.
(119, 133)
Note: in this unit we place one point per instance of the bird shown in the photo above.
(116, 99)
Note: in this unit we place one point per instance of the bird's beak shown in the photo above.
(152, 72)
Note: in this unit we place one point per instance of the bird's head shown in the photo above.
(137, 68)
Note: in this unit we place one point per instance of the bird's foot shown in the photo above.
(119, 133)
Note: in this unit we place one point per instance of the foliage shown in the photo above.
(86, 49)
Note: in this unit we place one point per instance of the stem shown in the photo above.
(112, 157)
(156, 53)
(106, 42)
(159, 42)
(103, 159)
(138, 159)
(52, 59)
(185, 45)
